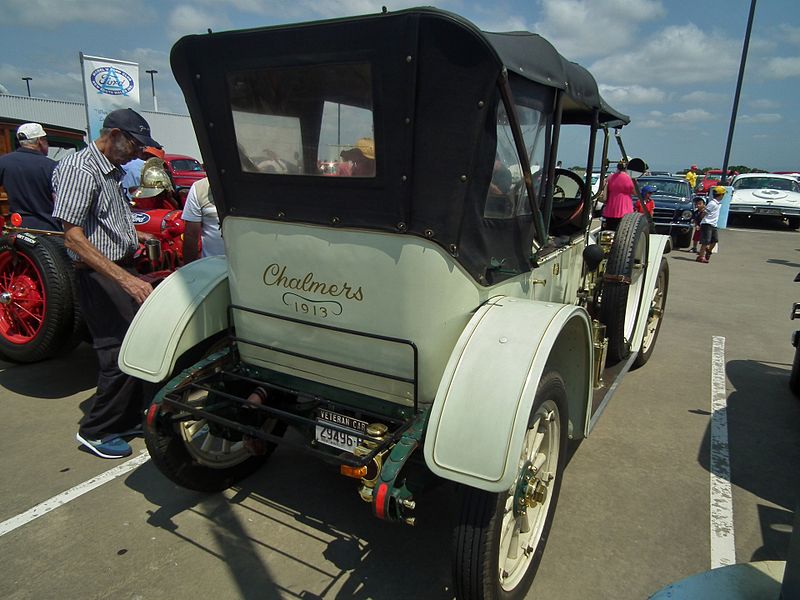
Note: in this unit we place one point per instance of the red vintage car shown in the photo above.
(39, 313)
(184, 171)
(712, 178)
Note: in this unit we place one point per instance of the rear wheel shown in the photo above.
(624, 284)
(200, 455)
(794, 222)
(500, 538)
(36, 300)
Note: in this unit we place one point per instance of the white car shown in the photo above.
(766, 194)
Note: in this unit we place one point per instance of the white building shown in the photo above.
(174, 132)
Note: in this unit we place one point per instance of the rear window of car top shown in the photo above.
(309, 120)
(186, 165)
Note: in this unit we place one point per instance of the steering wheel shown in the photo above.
(566, 208)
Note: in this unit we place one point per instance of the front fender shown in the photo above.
(657, 245)
(188, 307)
(480, 414)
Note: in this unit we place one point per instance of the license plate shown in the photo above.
(768, 211)
(343, 440)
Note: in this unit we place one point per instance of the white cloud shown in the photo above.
(50, 14)
(759, 118)
(185, 19)
(781, 67)
(677, 55)
(649, 124)
(60, 84)
(790, 33)
(761, 136)
(701, 97)
(610, 24)
(632, 94)
(693, 115)
(763, 104)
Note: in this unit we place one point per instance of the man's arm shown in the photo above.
(191, 239)
(75, 239)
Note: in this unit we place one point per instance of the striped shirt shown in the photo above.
(88, 194)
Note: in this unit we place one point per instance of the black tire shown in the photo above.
(622, 289)
(176, 450)
(794, 222)
(683, 240)
(794, 378)
(655, 316)
(477, 570)
(80, 332)
(36, 309)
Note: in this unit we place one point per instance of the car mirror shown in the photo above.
(636, 168)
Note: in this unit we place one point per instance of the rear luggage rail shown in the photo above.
(192, 379)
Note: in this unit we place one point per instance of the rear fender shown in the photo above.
(480, 414)
(188, 307)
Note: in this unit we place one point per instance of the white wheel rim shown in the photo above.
(205, 447)
(520, 535)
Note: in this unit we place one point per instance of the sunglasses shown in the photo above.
(138, 146)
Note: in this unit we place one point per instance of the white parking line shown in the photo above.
(723, 549)
(61, 499)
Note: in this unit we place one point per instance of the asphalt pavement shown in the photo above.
(634, 512)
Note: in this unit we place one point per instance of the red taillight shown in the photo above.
(16, 219)
(150, 419)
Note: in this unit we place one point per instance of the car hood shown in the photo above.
(765, 197)
(672, 202)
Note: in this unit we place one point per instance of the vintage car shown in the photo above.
(39, 312)
(711, 178)
(673, 211)
(766, 195)
(184, 171)
(436, 316)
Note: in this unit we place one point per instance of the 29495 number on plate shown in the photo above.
(343, 440)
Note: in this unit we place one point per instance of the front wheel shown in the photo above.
(623, 285)
(794, 222)
(500, 538)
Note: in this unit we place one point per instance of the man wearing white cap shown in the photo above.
(26, 174)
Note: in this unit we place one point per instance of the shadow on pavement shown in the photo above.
(53, 378)
(341, 543)
(764, 444)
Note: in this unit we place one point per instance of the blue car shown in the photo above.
(673, 208)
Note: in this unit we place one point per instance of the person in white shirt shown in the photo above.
(202, 222)
(708, 226)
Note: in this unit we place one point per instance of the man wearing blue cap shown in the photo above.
(101, 239)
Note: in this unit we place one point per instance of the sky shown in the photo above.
(672, 65)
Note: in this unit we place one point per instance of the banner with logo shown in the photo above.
(108, 84)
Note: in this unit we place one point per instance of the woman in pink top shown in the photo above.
(618, 203)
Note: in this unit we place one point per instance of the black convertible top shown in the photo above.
(434, 89)
(531, 56)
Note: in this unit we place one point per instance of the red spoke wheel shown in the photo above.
(36, 299)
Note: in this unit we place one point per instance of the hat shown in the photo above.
(30, 131)
(132, 123)
(694, 167)
(157, 152)
(154, 179)
(367, 147)
(718, 190)
(648, 189)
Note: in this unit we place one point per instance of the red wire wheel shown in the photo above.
(37, 298)
(23, 300)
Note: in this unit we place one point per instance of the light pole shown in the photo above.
(153, 87)
(27, 81)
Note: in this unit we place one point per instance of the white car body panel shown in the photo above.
(188, 307)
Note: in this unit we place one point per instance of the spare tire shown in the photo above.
(623, 284)
(37, 315)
